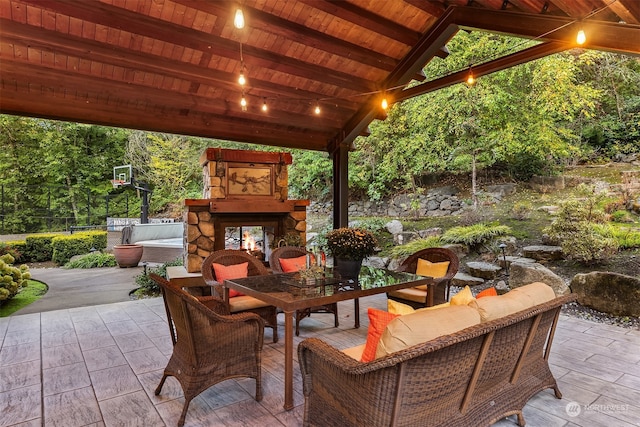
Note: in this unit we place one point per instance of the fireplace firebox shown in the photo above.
(245, 192)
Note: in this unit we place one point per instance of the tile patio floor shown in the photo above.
(99, 365)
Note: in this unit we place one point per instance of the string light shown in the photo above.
(581, 37)
(384, 104)
(471, 80)
(317, 109)
(243, 102)
(241, 79)
(238, 20)
(264, 105)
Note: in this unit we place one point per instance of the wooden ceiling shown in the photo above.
(172, 65)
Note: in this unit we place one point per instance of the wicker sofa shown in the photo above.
(473, 376)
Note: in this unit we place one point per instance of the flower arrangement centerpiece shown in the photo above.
(351, 243)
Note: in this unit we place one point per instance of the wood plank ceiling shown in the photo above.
(173, 65)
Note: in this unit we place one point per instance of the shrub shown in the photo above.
(580, 229)
(148, 286)
(39, 247)
(11, 277)
(475, 235)
(403, 251)
(98, 238)
(16, 248)
(621, 216)
(64, 247)
(625, 237)
(93, 260)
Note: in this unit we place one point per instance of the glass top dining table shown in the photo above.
(311, 288)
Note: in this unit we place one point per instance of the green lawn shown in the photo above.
(28, 294)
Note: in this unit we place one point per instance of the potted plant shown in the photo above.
(349, 246)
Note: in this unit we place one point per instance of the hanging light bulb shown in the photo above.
(238, 20)
(581, 37)
(243, 102)
(317, 109)
(241, 79)
(384, 104)
(471, 80)
(264, 105)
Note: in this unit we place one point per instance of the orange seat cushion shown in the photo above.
(290, 265)
(378, 320)
(228, 272)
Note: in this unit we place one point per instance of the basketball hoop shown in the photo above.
(116, 182)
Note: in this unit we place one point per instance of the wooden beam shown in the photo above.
(56, 43)
(602, 35)
(530, 54)
(366, 19)
(298, 33)
(62, 80)
(115, 17)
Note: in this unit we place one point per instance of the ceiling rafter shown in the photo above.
(75, 46)
(126, 20)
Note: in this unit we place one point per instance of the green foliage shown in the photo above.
(475, 235)
(93, 260)
(64, 247)
(148, 286)
(289, 239)
(30, 291)
(98, 239)
(16, 248)
(580, 228)
(621, 216)
(11, 277)
(403, 251)
(310, 175)
(625, 237)
(39, 247)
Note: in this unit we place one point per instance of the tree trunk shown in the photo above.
(474, 195)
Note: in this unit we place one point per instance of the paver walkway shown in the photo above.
(99, 365)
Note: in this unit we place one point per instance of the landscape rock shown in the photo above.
(429, 232)
(464, 279)
(459, 249)
(543, 252)
(607, 292)
(394, 227)
(376, 261)
(484, 270)
(521, 274)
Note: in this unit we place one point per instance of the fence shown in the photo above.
(34, 209)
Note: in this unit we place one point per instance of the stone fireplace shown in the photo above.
(245, 197)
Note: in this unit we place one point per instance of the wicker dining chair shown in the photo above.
(276, 267)
(240, 303)
(209, 347)
(418, 297)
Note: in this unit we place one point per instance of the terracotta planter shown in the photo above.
(128, 255)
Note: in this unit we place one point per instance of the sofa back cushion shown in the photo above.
(513, 301)
(425, 325)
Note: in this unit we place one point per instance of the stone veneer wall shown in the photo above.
(199, 215)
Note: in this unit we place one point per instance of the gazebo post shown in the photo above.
(340, 157)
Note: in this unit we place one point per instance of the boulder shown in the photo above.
(485, 270)
(376, 261)
(612, 293)
(543, 252)
(521, 274)
(394, 227)
(464, 279)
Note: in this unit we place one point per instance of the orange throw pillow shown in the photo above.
(489, 292)
(228, 272)
(290, 265)
(378, 321)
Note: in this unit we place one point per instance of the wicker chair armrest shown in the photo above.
(215, 304)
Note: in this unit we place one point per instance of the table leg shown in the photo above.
(356, 312)
(288, 360)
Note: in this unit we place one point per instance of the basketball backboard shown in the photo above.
(122, 174)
